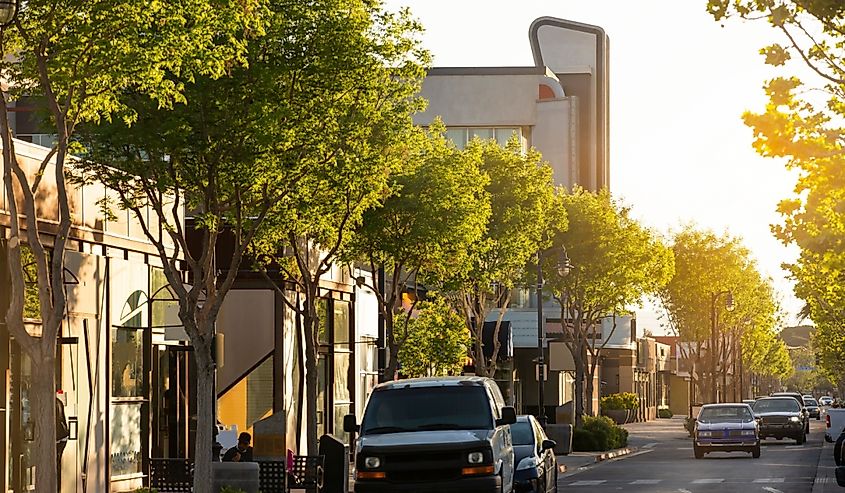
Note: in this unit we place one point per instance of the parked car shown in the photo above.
(839, 459)
(812, 406)
(750, 402)
(726, 428)
(804, 413)
(447, 434)
(534, 455)
(780, 417)
(825, 400)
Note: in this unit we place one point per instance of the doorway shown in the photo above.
(173, 410)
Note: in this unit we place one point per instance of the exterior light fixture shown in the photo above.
(8, 11)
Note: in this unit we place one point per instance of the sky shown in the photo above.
(679, 83)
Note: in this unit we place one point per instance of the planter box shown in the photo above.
(619, 416)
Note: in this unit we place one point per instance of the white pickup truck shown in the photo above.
(834, 423)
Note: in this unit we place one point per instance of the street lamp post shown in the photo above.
(563, 266)
(729, 305)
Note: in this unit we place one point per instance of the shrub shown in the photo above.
(583, 441)
(664, 413)
(624, 400)
(599, 434)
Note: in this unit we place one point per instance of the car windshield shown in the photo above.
(522, 433)
(776, 405)
(810, 402)
(427, 408)
(725, 413)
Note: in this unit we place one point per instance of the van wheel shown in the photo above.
(755, 453)
(800, 439)
(699, 453)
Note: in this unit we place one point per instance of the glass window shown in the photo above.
(323, 327)
(341, 322)
(341, 377)
(321, 395)
(481, 133)
(522, 433)
(458, 136)
(125, 439)
(503, 135)
(127, 362)
(427, 408)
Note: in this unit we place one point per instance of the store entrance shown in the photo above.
(173, 409)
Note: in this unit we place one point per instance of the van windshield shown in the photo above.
(427, 408)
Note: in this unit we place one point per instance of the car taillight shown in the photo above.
(827, 420)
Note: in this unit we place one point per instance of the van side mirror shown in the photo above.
(508, 416)
(349, 424)
(548, 444)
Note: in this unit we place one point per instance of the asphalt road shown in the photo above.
(665, 463)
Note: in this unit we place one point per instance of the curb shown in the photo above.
(825, 464)
(614, 454)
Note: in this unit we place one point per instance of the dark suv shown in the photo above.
(780, 417)
(805, 413)
(428, 435)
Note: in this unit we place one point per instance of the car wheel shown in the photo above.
(755, 452)
(698, 451)
(554, 488)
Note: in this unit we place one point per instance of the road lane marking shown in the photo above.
(770, 480)
(650, 445)
(771, 490)
(588, 483)
(646, 481)
(708, 481)
(681, 490)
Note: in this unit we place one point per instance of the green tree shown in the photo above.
(279, 158)
(436, 343)
(434, 215)
(521, 198)
(707, 264)
(802, 122)
(617, 261)
(79, 58)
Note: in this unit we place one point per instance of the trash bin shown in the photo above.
(239, 475)
(562, 435)
(335, 465)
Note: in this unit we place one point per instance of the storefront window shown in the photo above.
(125, 441)
(127, 362)
(341, 323)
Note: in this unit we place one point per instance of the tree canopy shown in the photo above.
(423, 231)
(437, 341)
(802, 123)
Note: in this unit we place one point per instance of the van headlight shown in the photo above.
(527, 463)
(748, 433)
(795, 419)
(372, 462)
(705, 434)
(475, 457)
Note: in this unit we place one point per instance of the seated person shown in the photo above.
(241, 452)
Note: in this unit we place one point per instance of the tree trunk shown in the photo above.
(206, 402)
(589, 387)
(43, 408)
(392, 345)
(480, 362)
(579, 391)
(311, 381)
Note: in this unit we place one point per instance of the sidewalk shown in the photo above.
(825, 472)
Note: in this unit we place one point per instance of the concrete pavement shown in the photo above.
(665, 463)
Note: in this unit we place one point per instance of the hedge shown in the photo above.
(625, 400)
(599, 434)
(664, 413)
